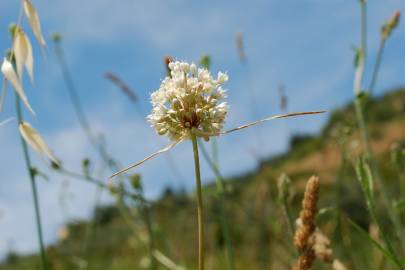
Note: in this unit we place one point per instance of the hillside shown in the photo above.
(258, 227)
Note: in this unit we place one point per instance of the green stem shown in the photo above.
(85, 124)
(91, 226)
(100, 184)
(151, 244)
(373, 214)
(363, 7)
(220, 183)
(148, 222)
(288, 216)
(80, 113)
(377, 66)
(200, 208)
(33, 188)
(363, 128)
(401, 178)
(74, 96)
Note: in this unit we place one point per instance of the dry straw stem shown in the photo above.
(167, 148)
(121, 85)
(240, 46)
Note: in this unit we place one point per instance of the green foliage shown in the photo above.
(105, 214)
(258, 225)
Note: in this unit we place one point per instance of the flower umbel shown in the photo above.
(190, 103)
(189, 99)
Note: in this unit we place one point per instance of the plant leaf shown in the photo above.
(35, 141)
(365, 178)
(164, 260)
(372, 241)
(34, 22)
(9, 73)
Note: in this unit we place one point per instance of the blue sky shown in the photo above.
(304, 45)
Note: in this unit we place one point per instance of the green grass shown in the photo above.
(258, 227)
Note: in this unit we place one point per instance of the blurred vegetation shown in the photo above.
(258, 227)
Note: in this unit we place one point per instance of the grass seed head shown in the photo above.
(306, 224)
(390, 25)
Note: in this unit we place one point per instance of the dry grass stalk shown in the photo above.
(306, 225)
(308, 238)
(307, 215)
(121, 85)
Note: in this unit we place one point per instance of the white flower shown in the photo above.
(190, 99)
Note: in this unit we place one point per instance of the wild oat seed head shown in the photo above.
(190, 98)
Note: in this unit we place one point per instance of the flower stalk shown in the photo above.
(189, 104)
(33, 188)
(386, 31)
(359, 104)
(220, 184)
(200, 207)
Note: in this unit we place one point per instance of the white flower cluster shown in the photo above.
(189, 98)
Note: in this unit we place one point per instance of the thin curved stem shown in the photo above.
(200, 208)
(386, 240)
(149, 227)
(377, 66)
(74, 96)
(33, 189)
(100, 184)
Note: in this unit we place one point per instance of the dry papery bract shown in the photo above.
(35, 141)
(12, 68)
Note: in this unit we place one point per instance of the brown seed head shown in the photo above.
(307, 215)
(390, 25)
(306, 260)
